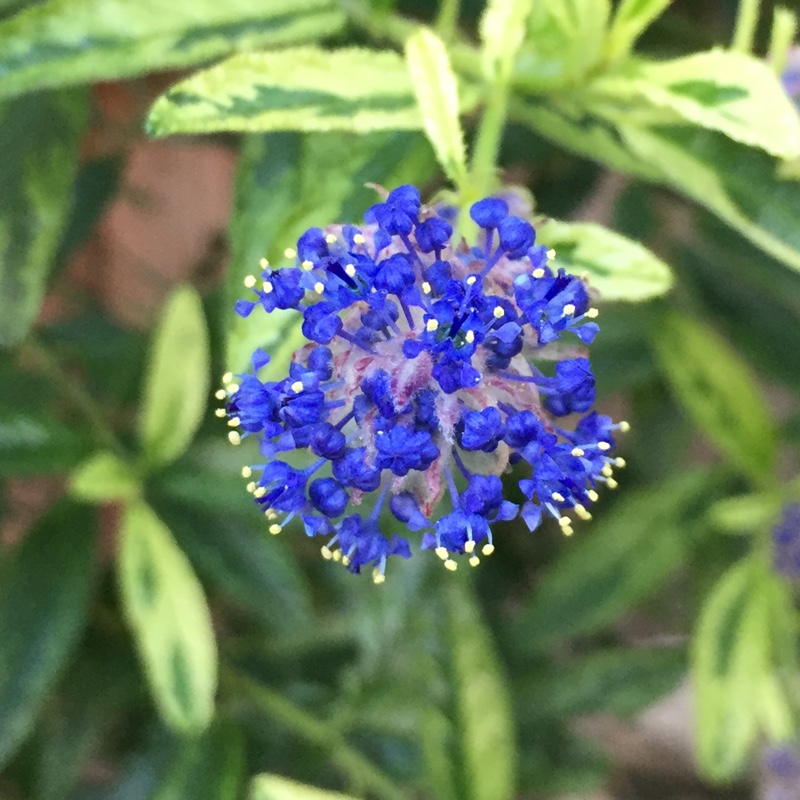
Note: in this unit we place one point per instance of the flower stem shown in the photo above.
(784, 28)
(746, 24)
(49, 365)
(447, 20)
(358, 769)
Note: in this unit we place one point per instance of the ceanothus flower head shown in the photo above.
(429, 371)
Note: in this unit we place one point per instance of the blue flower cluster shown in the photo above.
(429, 372)
(786, 542)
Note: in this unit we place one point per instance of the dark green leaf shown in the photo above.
(65, 42)
(39, 138)
(45, 587)
(604, 571)
(622, 681)
(719, 391)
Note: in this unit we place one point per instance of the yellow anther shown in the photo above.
(487, 549)
(592, 495)
(350, 270)
(431, 325)
(267, 287)
(330, 238)
(246, 472)
(584, 275)
(251, 487)
(564, 522)
(232, 388)
(326, 552)
(569, 309)
(297, 387)
(498, 312)
(220, 412)
(611, 483)
(234, 437)
(227, 378)
(567, 530)
(582, 512)
(271, 514)
(263, 263)
(307, 265)
(250, 281)
(260, 492)
(471, 280)
(220, 394)
(379, 578)
(607, 472)
(470, 337)
(345, 561)
(620, 462)
(624, 426)
(337, 555)
(319, 287)
(558, 497)
(577, 452)
(592, 313)
(451, 565)
(442, 552)
(474, 561)
(234, 422)
(359, 238)
(551, 254)
(603, 446)
(426, 287)
(469, 546)
(538, 273)
(290, 252)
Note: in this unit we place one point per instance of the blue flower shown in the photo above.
(786, 542)
(420, 387)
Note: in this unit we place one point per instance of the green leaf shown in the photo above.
(60, 42)
(33, 442)
(502, 30)
(724, 91)
(176, 390)
(630, 20)
(622, 681)
(436, 735)
(618, 268)
(166, 609)
(45, 589)
(301, 89)
(39, 137)
(104, 477)
(272, 787)
(593, 582)
(485, 718)
(744, 514)
(436, 89)
(564, 42)
(718, 390)
(735, 654)
(285, 184)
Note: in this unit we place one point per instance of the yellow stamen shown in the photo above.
(267, 287)
(426, 287)
(359, 238)
(592, 495)
(474, 561)
(250, 281)
(297, 387)
(220, 412)
(431, 325)
(319, 288)
(337, 555)
(227, 378)
(538, 273)
(234, 437)
(469, 546)
(350, 270)
(345, 561)
(569, 309)
(260, 492)
(471, 280)
(263, 263)
(498, 312)
(577, 452)
(220, 394)
(551, 254)
(307, 265)
(607, 472)
(290, 252)
(441, 552)
(603, 446)
(624, 426)
(232, 388)
(582, 512)
(620, 462)
(558, 497)
(487, 549)
(611, 483)
(330, 238)
(246, 472)
(470, 337)
(379, 578)
(251, 487)
(326, 552)
(592, 313)
(234, 422)
(451, 565)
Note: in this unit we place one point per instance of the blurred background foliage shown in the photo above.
(155, 640)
